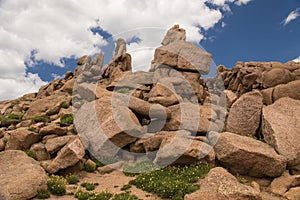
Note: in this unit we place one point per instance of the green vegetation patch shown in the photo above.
(125, 196)
(42, 118)
(172, 182)
(80, 195)
(43, 194)
(89, 186)
(10, 119)
(66, 119)
(57, 185)
(65, 105)
(72, 179)
(31, 154)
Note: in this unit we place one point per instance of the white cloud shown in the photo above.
(292, 16)
(58, 29)
(242, 2)
(297, 59)
(15, 87)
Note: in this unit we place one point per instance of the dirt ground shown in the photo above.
(112, 182)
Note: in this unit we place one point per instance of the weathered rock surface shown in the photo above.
(174, 34)
(291, 89)
(276, 76)
(53, 129)
(180, 149)
(183, 55)
(106, 125)
(69, 155)
(221, 185)
(46, 106)
(21, 139)
(192, 117)
(54, 144)
(245, 155)
(244, 115)
(280, 127)
(293, 193)
(283, 183)
(21, 177)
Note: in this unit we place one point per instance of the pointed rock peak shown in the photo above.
(174, 34)
(120, 48)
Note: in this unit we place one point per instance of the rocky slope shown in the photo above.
(245, 122)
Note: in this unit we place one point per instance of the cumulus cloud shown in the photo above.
(242, 2)
(297, 59)
(292, 16)
(62, 29)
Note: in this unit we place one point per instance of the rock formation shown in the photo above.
(245, 120)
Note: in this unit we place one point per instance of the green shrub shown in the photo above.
(66, 119)
(10, 119)
(32, 130)
(42, 118)
(72, 179)
(123, 90)
(102, 196)
(172, 182)
(125, 196)
(92, 196)
(89, 168)
(65, 105)
(4, 140)
(31, 154)
(125, 187)
(88, 186)
(57, 185)
(106, 161)
(43, 194)
(140, 167)
(80, 195)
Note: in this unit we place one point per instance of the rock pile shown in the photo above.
(245, 120)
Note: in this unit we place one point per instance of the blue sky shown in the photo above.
(42, 40)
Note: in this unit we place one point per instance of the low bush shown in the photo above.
(31, 154)
(65, 105)
(125, 187)
(43, 194)
(72, 179)
(42, 118)
(89, 168)
(57, 185)
(172, 182)
(66, 119)
(125, 196)
(88, 186)
(140, 167)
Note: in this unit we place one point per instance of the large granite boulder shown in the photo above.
(280, 127)
(21, 177)
(245, 155)
(245, 113)
(106, 126)
(47, 106)
(180, 149)
(221, 185)
(184, 56)
(68, 156)
(276, 76)
(21, 139)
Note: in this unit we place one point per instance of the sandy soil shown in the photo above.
(112, 182)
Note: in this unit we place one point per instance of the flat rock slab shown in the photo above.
(281, 128)
(245, 155)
